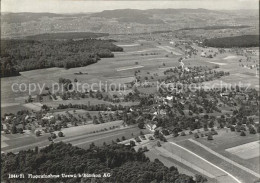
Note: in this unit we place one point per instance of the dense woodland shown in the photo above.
(236, 41)
(67, 35)
(24, 55)
(122, 162)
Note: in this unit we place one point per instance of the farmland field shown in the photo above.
(80, 136)
(219, 145)
(195, 162)
(246, 151)
(153, 153)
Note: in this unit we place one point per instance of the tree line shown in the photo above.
(122, 162)
(97, 107)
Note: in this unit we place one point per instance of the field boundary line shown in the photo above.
(224, 158)
(206, 161)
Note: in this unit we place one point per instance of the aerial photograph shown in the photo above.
(142, 91)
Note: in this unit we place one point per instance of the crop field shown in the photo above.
(80, 135)
(234, 139)
(246, 151)
(241, 174)
(229, 145)
(167, 161)
(228, 140)
(108, 138)
(195, 162)
(77, 130)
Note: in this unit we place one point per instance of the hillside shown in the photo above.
(26, 17)
(139, 13)
(120, 21)
(128, 16)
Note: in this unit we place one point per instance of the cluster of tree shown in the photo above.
(236, 41)
(14, 120)
(194, 75)
(97, 107)
(160, 136)
(24, 55)
(122, 162)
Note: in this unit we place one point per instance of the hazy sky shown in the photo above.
(78, 6)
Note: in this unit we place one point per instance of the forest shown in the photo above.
(24, 55)
(122, 162)
(236, 41)
(67, 35)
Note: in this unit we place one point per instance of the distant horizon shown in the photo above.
(136, 9)
(79, 6)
